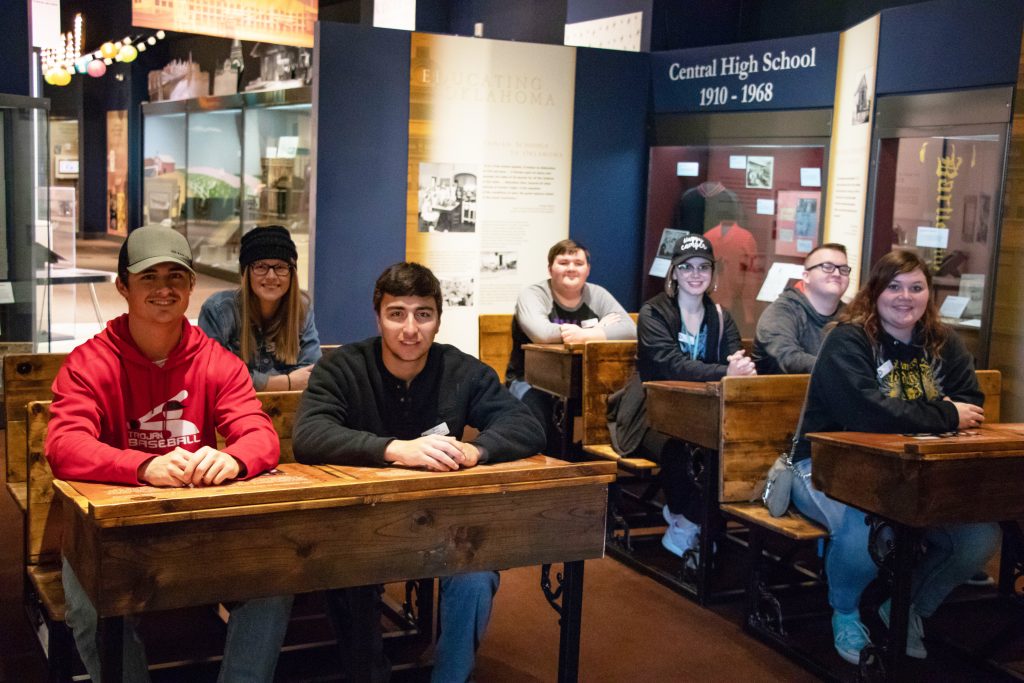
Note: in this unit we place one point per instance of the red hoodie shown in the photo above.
(114, 409)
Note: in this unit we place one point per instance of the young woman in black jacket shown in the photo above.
(890, 366)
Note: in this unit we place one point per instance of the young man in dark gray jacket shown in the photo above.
(790, 330)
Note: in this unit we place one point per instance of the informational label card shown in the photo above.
(936, 238)
(778, 277)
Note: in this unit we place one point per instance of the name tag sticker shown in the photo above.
(441, 429)
(589, 323)
(884, 369)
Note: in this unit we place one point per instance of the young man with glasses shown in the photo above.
(141, 403)
(790, 330)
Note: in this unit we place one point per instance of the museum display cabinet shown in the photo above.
(939, 164)
(27, 256)
(752, 183)
(217, 167)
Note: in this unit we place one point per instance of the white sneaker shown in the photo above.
(681, 534)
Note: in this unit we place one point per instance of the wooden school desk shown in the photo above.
(305, 528)
(914, 483)
(558, 370)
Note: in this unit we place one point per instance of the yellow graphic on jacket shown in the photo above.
(910, 380)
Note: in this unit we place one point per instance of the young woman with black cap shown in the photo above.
(267, 322)
(681, 335)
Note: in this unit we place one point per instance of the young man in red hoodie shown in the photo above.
(141, 404)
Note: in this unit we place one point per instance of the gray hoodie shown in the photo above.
(789, 334)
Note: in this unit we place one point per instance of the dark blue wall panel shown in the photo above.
(528, 21)
(362, 109)
(949, 44)
(609, 167)
(14, 48)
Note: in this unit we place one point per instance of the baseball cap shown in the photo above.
(152, 244)
(689, 246)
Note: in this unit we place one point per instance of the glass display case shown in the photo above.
(277, 164)
(26, 257)
(212, 197)
(216, 167)
(163, 164)
(938, 191)
(758, 203)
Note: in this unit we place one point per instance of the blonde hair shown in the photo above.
(282, 330)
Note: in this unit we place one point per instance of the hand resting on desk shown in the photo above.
(205, 467)
(433, 452)
(970, 414)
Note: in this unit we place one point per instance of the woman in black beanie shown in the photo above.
(267, 322)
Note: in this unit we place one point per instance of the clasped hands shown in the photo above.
(204, 467)
(433, 452)
(740, 364)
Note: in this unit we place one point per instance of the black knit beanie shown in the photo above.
(270, 242)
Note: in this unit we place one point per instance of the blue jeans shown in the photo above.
(255, 633)
(465, 606)
(953, 553)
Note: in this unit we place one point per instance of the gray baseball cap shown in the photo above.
(152, 244)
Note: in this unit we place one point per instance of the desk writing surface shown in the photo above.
(988, 441)
(534, 468)
(288, 482)
(977, 477)
(488, 517)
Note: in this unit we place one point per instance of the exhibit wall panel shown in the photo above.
(850, 152)
(949, 44)
(609, 167)
(361, 109)
(490, 162)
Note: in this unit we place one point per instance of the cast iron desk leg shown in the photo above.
(572, 612)
(111, 642)
(562, 417)
(904, 542)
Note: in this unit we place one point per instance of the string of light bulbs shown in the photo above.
(66, 59)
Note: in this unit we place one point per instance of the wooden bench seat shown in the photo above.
(632, 465)
(792, 525)
(49, 589)
(18, 491)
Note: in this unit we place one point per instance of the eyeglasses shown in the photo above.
(702, 268)
(829, 267)
(280, 270)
